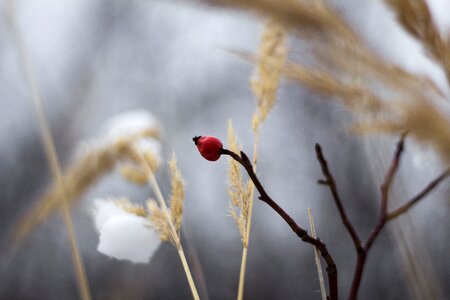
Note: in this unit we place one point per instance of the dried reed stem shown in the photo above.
(317, 257)
(249, 218)
(173, 229)
(242, 273)
(52, 157)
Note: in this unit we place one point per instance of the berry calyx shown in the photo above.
(209, 147)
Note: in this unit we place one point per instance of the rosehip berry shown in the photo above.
(209, 147)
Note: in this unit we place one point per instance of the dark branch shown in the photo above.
(382, 217)
(410, 203)
(385, 186)
(331, 183)
(300, 232)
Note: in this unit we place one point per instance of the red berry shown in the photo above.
(209, 147)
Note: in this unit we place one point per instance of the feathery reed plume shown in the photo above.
(337, 40)
(323, 292)
(159, 221)
(50, 151)
(264, 85)
(167, 224)
(167, 220)
(132, 208)
(305, 16)
(354, 95)
(416, 18)
(270, 62)
(238, 191)
(133, 174)
(421, 119)
(81, 174)
(417, 115)
(177, 196)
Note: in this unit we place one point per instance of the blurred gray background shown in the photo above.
(94, 59)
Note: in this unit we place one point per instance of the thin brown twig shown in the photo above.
(385, 186)
(411, 202)
(331, 183)
(300, 232)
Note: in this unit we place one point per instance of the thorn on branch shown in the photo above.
(323, 182)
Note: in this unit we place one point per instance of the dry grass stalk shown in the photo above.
(63, 203)
(323, 292)
(416, 18)
(52, 156)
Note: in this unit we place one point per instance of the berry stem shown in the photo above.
(300, 232)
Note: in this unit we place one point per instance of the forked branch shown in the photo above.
(384, 216)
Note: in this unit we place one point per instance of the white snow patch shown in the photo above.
(123, 235)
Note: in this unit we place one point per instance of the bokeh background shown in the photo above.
(94, 59)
